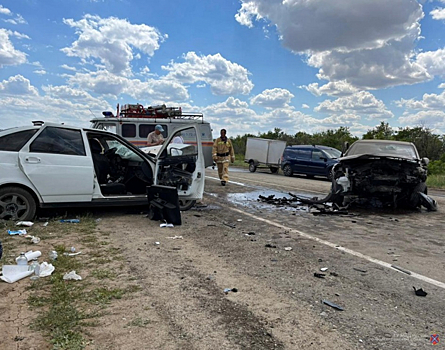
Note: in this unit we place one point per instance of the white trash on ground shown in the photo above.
(46, 269)
(72, 275)
(25, 223)
(13, 273)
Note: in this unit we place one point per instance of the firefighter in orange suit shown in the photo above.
(222, 154)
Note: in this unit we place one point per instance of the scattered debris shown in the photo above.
(250, 234)
(45, 224)
(175, 237)
(13, 273)
(335, 306)
(420, 292)
(288, 248)
(157, 243)
(268, 245)
(164, 224)
(228, 224)
(429, 203)
(335, 274)
(18, 232)
(24, 223)
(401, 269)
(72, 275)
(239, 220)
(227, 290)
(319, 275)
(359, 270)
(323, 269)
(72, 254)
(71, 221)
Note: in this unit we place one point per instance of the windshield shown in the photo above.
(384, 148)
(332, 152)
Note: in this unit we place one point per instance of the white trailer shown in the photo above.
(264, 152)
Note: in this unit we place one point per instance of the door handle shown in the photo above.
(32, 160)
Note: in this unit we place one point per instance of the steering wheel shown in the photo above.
(110, 152)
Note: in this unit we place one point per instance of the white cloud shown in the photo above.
(305, 106)
(5, 11)
(40, 72)
(438, 14)
(103, 82)
(65, 66)
(433, 61)
(369, 44)
(223, 76)
(111, 41)
(272, 98)
(428, 102)
(17, 85)
(18, 35)
(247, 13)
(434, 120)
(339, 88)
(9, 56)
(361, 103)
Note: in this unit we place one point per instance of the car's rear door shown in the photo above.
(56, 162)
(302, 162)
(318, 163)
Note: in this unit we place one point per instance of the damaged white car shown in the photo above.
(53, 165)
(386, 172)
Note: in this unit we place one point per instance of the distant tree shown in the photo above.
(380, 132)
(428, 144)
(334, 138)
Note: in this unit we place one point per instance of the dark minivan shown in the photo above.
(311, 160)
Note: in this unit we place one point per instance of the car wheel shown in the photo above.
(414, 197)
(185, 205)
(330, 174)
(17, 204)
(273, 170)
(287, 170)
(252, 167)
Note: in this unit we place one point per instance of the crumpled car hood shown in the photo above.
(380, 155)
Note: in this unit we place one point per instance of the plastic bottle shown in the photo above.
(35, 266)
(53, 255)
(22, 260)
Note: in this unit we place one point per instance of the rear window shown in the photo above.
(59, 141)
(14, 142)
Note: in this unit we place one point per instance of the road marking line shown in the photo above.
(262, 183)
(343, 249)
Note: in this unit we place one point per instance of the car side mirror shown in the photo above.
(324, 158)
(425, 161)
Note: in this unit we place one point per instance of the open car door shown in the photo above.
(180, 164)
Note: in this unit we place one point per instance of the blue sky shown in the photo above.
(249, 66)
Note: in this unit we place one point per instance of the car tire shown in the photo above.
(17, 204)
(329, 175)
(287, 170)
(414, 198)
(252, 167)
(185, 205)
(273, 170)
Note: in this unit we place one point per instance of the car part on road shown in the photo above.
(335, 306)
(429, 203)
(401, 269)
(319, 275)
(230, 225)
(268, 245)
(420, 292)
(359, 270)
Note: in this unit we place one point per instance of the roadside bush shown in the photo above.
(436, 167)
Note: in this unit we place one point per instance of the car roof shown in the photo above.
(383, 141)
(309, 146)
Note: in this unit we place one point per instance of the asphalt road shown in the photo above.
(270, 254)
(382, 253)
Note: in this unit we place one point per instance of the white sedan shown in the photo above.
(53, 165)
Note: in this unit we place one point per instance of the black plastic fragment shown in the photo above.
(268, 245)
(319, 275)
(420, 292)
(335, 306)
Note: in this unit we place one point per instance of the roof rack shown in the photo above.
(161, 111)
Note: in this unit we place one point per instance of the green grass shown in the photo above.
(436, 181)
